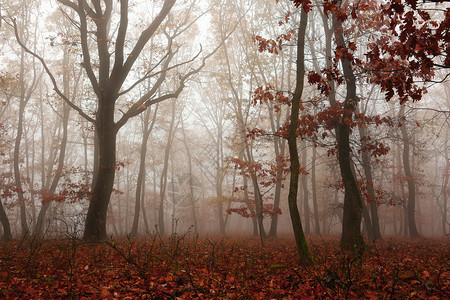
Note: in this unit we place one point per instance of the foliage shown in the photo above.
(185, 267)
(267, 210)
(267, 174)
(71, 189)
(380, 196)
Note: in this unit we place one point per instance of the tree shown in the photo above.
(412, 228)
(27, 87)
(367, 167)
(300, 239)
(108, 70)
(70, 84)
(147, 128)
(7, 187)
(163, 181)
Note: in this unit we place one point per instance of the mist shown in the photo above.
(178, 123)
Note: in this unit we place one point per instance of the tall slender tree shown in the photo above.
(300, 238)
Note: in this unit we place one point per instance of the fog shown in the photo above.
(177, 123)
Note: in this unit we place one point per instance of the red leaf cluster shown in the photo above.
(380, 196)
(272, 45)
(266, 173)
(268, 94)
(249, 210)
(306, 4)
(413, 48)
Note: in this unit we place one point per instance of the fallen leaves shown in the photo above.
(240, 269)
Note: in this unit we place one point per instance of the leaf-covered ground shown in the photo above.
(222, 268)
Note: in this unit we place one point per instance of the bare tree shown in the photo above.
(107, 69)
(26, 89)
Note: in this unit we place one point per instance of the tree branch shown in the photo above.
(49, 73)
(121, 72)
(121, 34)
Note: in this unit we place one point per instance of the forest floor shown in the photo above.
(182, 267)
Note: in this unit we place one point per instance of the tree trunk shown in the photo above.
(314, 192)
(17, 176)
(279, 146)
(302, 246)
(445, 191)
(219, 180)
(257, 199)
(30, 176)
(351, 226)
(369, 178)
(141, 175)
(410, 210)
(38, 229)
(163, 180)
(95, 227)
(306, 212)
(7, 236)
(367, 223)
(276, 203)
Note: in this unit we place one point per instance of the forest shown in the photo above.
(224, 149)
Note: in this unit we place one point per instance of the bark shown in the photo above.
(410, 209)
(351, 238)
(7, 236)
(367, 224)
(95, 227)
(300, 239)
